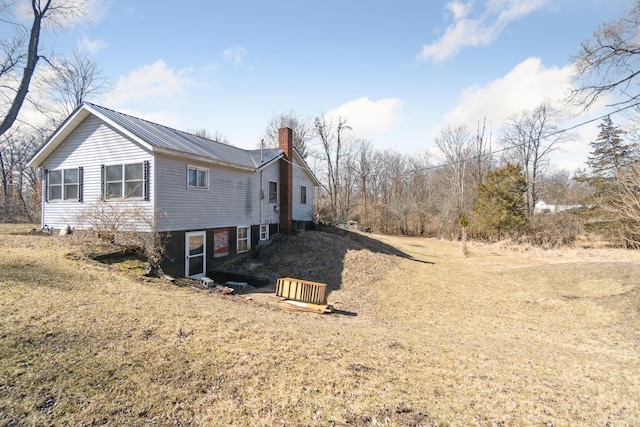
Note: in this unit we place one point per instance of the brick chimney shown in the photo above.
(285, 137)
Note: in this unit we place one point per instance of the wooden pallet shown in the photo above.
(302, 291)
(305, 306)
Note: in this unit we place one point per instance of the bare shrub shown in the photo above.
(130, 226)
(553, 230)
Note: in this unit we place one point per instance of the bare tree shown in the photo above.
(625, 205)
(482, 154)
(16, 182)
(303, 130)
(364, 184)
(608, 63)
(42, 10)
(213, 136)
(531, 137)
(73, 81)
(457, 146)
(334, 147)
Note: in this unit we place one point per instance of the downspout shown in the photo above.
(43, 196)
(261, 195)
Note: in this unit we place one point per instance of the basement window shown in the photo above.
(264, 231)
(244, 234)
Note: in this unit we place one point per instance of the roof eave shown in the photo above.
(60, 134)
(271, 161)
(306, 168)
(204, 159)
(69, 125)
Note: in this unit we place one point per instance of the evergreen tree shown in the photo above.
(500, 205)
(609, 157)
(608, 164)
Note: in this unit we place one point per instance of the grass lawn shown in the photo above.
(507, 336)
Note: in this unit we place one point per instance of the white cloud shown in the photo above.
(235, 54)
(149, 83)
(369, 118)
(479, 31)
(525, 87)
(92, 46)
(459, 9)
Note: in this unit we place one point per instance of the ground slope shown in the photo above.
(505, 336)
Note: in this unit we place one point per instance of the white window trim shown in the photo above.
(264, 232)
(63, 185)
(248, 239)
(303, 202)
(123, 182)
(203, 255)
(269, 192)
(197, 169)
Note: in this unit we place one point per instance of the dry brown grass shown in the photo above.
(506, 336)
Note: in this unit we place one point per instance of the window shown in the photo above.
(264, 231)
(65, 184)
(126, 181)
(243, 239)
(197, 177)
(273, 192)
(55, 185)
(303, 195)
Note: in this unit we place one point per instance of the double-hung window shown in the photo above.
(125, 181)
(64, 184)
(197, 177)
(273, 192)
(243, 239)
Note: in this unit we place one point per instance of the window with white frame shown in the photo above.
(303, 195)
(264, 231)
(273, 192)
(64, 184)
(244, 234)
(125, 181)
(198, 177)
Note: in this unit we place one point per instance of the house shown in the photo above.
(210, 200)
(542, 207)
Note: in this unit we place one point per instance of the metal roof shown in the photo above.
(164, 139)
(264, 156)
(174, 140)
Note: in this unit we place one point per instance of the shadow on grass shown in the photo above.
(319, 256)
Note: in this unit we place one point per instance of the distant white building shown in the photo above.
(543, 207)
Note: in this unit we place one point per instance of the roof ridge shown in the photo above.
(161, 125)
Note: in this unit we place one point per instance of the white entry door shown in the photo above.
(195, 245)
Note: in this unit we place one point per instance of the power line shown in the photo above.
(500, 150)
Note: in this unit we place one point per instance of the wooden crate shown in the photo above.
(302, 290)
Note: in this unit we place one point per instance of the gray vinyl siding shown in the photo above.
(92, 144)
(271, 173)
(300, 177)
(231, 200)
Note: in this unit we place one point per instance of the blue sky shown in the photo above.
(396, 70)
